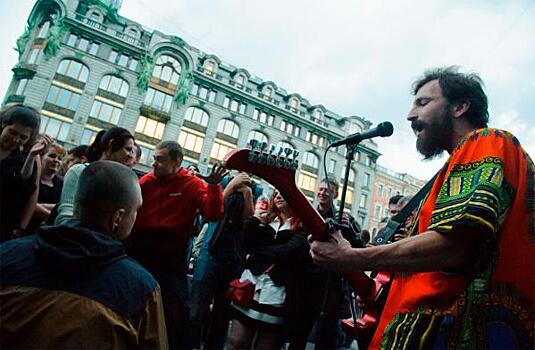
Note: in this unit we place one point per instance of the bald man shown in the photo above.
(72, 285)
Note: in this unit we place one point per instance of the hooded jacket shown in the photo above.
(71, 286)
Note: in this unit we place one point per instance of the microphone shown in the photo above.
(383, 129)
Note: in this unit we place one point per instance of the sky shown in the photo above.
(356, 57)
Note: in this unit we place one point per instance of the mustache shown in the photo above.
(417, 125)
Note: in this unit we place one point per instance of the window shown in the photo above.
(379, 190)
(228, 127)
(132, 32)
(158, 100)
(307, 181)
(209, 68)
(263, 117)
(234, 105)
(197, 116)
(43, 30)
(203, 92)
(389, 192)
(351, 176)
(268, 93)
(211, 96)
(150, 127)
(294, 104)
(167, 69)
(318, 115)
(386, 212)
(257, 135)
(240, 81)
(194, 89)
(83, 44)
(123, 60)
(284, 145)
(349, 196)
(191, 140)
(332, 166)
(311, 160)
(377, 212)
(220, 150)
(114, 85)
(35, 55)
(71, 40)
(315, 139)
(363, 201)
(287, 127)
(366, 180)
(57, 129)
(146, 155)
(88, 136)
(105, 112)
(133, 64)
(73, 69)
(21, 87)
(113, 56)
(93, 48)
(63, 98)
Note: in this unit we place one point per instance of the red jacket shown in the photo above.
(165, 220)
(172, 202)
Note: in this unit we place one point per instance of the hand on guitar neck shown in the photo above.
(278, 167)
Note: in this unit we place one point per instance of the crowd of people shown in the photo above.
(92, 256)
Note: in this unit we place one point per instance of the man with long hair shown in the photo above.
(465, 273)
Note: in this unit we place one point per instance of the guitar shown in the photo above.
(278, 167)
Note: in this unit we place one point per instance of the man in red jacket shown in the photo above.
(172, 197)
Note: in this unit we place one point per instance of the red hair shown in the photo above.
(274, 212)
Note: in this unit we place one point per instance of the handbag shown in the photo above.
(241, 293)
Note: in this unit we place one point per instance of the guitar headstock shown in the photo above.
(277, 166)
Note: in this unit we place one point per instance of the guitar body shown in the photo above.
(279, 170)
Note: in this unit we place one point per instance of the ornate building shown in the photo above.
(86, 68)
(388, 183)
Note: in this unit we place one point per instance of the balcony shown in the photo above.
(105, 29)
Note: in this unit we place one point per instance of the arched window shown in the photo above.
(197, 115)
(294, 104)
(209, 67)
(240, 80)
(257, 135)
(311, 160)
(318, 115)
(268, 93)
(114, 84)
(95, 15)
(73, 69)
(43, 30)
(284, 144)
(167, 69)
(228, 127)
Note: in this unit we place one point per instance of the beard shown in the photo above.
(437, 135)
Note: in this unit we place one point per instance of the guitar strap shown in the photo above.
(385, 235)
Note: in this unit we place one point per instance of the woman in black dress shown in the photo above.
(277, 244)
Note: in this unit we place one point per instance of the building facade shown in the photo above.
(87, 68)
(388, 183)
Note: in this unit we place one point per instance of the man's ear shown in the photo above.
(460, 108)
(117, 218)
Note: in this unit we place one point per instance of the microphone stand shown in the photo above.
(322, 320)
